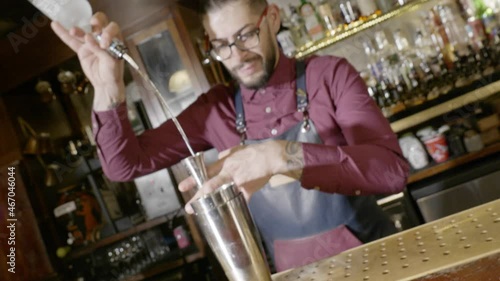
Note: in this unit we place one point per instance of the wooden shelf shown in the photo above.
(165, 266)
(311, 48)
(444, 107)
(76, 253)
(464, 159)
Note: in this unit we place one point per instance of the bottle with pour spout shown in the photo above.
(70, 13)
(77, 13)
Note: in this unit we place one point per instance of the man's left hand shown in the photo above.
(250, 167)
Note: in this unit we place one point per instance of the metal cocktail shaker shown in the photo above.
(225, 221)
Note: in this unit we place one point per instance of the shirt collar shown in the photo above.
(283, 78)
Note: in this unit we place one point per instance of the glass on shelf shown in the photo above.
(325, 12)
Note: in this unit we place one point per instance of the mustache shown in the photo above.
(250, 59)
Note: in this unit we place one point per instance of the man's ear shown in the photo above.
(274, 18)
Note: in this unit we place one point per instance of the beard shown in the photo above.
(261, 80)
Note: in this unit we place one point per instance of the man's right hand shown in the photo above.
(104, 72)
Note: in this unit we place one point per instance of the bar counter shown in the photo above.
(463, 246)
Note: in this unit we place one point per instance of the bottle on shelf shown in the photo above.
(440, 36)
(349, 11)
(326, 14)
(387, 55)
(311, 20)
(425, 48)
(368, 9)
(285, 36)
(371, 55)
(454, 28)
(298, 28)
(385, 102)
(385, 5)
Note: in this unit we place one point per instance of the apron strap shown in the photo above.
(300, 93)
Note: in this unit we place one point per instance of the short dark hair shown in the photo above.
(209, 5)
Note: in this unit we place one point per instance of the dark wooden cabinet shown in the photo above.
(31, 262)
(10, 150)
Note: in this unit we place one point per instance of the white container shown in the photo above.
(367, 7)
(70, 13)
(414, 151)
(473, 141)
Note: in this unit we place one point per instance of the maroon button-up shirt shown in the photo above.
(360, 154)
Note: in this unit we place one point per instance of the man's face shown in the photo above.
(253, 67)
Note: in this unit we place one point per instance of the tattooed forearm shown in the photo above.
(294, 159)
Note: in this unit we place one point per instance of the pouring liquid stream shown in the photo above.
(163, 103)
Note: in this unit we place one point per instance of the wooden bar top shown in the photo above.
(463, 246)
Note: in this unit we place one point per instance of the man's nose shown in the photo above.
(237, 53)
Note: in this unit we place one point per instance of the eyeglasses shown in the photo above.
(244, 42)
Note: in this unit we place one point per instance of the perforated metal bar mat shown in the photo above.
(446, 243)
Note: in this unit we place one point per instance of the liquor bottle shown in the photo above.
(285, 35)
(454, 28)
(396, 94)
(424, 47)
(385, 99)
(298, 28)
(368, 9)
(326, 14)
(476, 10)
(402, 90)
(387, 55)
(441, 37)
(286, 41)
(371, 55)
(377, 96)
(76, 13)
(408, 58)
(312, 23)
(385, 5)
(349, 11)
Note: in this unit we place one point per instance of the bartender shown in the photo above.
(303, 141)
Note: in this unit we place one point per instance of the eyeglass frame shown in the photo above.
(257, 32)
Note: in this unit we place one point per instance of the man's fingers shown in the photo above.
(216, 182)
(99, 21)
(187, 184)
(77, 32)
(73, 42)
(93, 46)
(215, 168)
(111, 31)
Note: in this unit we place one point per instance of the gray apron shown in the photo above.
(300, 226)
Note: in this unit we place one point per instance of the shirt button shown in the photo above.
(357, 192)
(274, 132)
(268, 109)
(262, 92)
(94, 126)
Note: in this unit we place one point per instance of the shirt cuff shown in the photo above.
(320, 167)
(99, 119)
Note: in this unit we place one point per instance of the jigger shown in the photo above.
(196, 167)
(226, 223)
